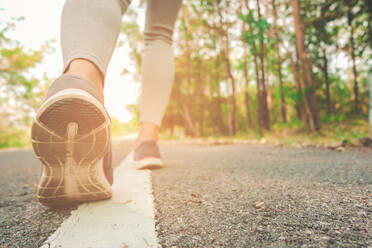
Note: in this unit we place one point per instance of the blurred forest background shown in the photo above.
(287, 71)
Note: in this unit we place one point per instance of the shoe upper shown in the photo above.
(147, 149)
(73, 81)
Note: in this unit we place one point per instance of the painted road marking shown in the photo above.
(126, 220)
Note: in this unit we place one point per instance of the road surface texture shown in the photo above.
(221, 196)
(23, 221)
(262, 195)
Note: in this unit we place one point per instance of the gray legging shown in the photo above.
(90, 29)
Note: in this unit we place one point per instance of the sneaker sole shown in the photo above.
(70, 136)
(148, 163)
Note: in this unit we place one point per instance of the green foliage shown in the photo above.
(12, 137)
(20, 93)
(257, 32)
(201, 64)
(216, 42)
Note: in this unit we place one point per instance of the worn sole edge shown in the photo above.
(72, 93)
(148, 163)
(54, 200)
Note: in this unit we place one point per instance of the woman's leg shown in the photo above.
(89, 31)
(157, 66)
(71, 133)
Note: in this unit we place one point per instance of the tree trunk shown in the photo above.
(233, 95)
(229, 108)
(230, 76)
(247, 98)
(305, 65)
(326, 79)
(187, 116)
(350, 18)
(370, 106)
(301, 104)
(370, 25)
(259, 96)
(189, 108)
(258, 81)
(277, 45)
(220, 120)
(200, 87)
(265, 110)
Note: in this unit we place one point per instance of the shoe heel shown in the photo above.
(71, 160)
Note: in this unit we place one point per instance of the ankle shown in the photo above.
(87, 70)
(148, 131)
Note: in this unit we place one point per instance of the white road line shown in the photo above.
(126, 220)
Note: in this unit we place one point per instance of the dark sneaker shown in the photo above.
(147, 156)
(71, 136)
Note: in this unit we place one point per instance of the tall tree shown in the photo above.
(215, 76)
(262, 25)
(224, 29)
(188, 106)
(279, 63)
(306, 66)
(219, 113)
(350, 18)
(247, 97)
(326, 80)
(254, 38)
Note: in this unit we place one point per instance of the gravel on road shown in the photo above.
(263, 196)
(24, 222)
(221, 196)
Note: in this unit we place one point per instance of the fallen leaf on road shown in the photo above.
(196, 195)
(195, 201)
(259, 205)
(128, 201)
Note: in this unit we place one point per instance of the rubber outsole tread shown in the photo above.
(70, 138)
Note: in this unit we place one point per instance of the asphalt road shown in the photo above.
(25, 223)
(221, 196)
